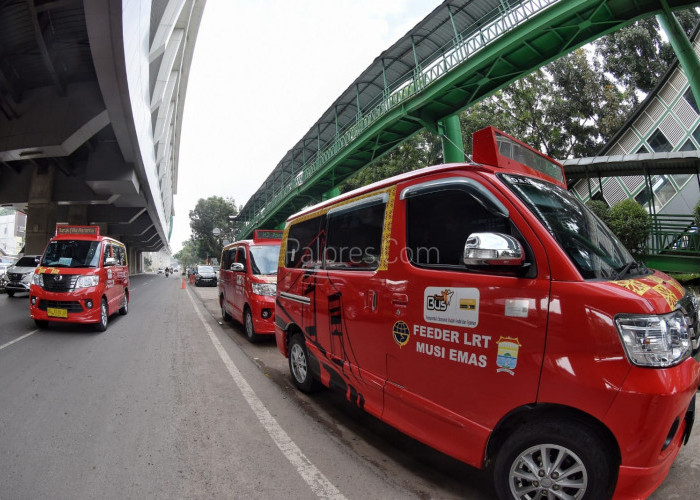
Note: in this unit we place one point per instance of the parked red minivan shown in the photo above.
(83, 277)
(247, 282)
(482, 309)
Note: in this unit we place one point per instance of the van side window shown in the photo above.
(228, 257)
(305, 243)
(225, 259)
(439, 223)
(119, 254)
(354, 238)
(241, 257)
(107, 254)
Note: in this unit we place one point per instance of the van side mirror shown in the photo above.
(237, 266)
(110, 261)
(493, 249)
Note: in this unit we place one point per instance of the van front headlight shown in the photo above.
(87, 281)
(265, 289)
(38, 279)
(654, 340)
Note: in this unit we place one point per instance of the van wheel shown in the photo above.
(249, 328)
(554, 459)
(299, 365)
(101, 326)
(224, 315)
(124, 309)
(10, 293)
(41, 323)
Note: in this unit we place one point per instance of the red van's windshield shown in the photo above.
(264, 258)
(593, 248)
(72, 253)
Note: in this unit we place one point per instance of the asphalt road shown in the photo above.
(170, 402)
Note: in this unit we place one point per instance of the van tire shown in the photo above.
(124, 309)
(10, 293)
(101, 325)
(249, 327)
(224, 315)
(580, 444)
(41, 323)
(299, 366)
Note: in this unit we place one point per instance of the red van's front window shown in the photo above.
(593, 248)
(264, 258)
(72, 253)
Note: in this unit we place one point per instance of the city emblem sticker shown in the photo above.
(401, 333)
(507, 357)
(451, 306)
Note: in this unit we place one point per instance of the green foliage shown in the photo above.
(214, 212)
(188, 256)
(631, 223)
(696, 214)
(636, 56)
(600, 208)
(421, 150)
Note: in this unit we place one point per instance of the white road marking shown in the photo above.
(17, 339)
(318, 483)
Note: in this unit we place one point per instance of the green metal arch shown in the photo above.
(470, 69)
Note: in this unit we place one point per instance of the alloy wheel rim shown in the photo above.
(298, 363)
(248, 325)
(548, 471)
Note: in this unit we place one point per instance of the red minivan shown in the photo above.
(482, 309)
(82, 278)
(247, 281)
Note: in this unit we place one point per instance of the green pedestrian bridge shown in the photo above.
(462, 52)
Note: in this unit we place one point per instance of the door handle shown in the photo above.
(399, 299)
(373, 300)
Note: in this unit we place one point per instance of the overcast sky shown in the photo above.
(263, 72)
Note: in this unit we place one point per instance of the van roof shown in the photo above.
(421, 172)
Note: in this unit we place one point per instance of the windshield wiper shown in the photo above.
(629, 267)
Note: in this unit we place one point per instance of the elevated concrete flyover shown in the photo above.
(91, 103)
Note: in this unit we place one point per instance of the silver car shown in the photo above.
(19, 276)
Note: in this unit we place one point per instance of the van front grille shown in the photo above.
(59, 282)
(71, 306)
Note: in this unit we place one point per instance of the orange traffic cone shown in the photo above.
(183, 283)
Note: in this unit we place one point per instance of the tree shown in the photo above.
(600, 208)
(631, 224)
(208, 214)
(421, 150)
(188, 255)
(637, 56)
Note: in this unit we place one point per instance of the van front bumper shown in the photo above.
(51, 306)
(652, 417)
(262, 308)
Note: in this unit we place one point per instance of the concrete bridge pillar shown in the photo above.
(77, 215)
(41, 211)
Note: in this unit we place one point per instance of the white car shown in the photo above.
(19, 276)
